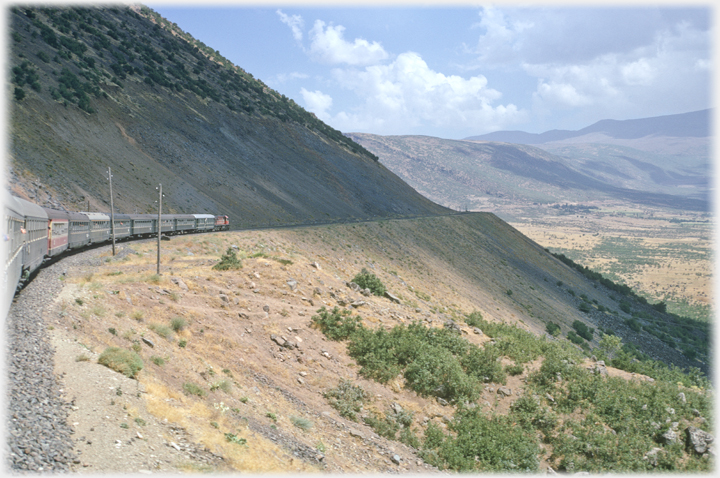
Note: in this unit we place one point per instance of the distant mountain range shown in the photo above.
(694, 125)
(662, 161)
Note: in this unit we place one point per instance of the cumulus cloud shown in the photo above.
(317, 102)
(407, 95)
(327, 45)
(613, 62)
(295, 23)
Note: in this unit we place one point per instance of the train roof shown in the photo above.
(29, 209)
(97, 216)
(135, 217)
(77, 216)
(183, 216)
(203, 216)
(56, 214)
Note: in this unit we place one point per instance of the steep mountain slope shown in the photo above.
(123, 88)
(473, 175)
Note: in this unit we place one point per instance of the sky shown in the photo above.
(464, 70)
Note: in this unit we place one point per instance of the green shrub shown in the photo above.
(575, 338)
(301, 423)
(338, 323)
(159, 361)
(583, 330)
(367, 280)
(223, 385)
(553, 329)
(124, 361)
(193, 389)
(482, 444)
(347, 399)
(182, 343)
(228, 261)
(475, 319)
(514, 370)
(177, 324)
(162, 330)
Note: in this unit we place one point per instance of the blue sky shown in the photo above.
(463, 70)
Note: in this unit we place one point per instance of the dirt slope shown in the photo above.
(252, 388)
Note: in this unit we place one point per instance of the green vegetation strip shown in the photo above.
(591, 422)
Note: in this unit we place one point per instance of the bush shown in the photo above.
(124, 361)
(223, 385)
(475, 319)
(162, 330)
(368, 280)
(347, 399)
(177, 324)
(575, 338)
(337, 324)
(193, 389)
(514, 370)
(482, 443)
(301, 423)
(583, 330)
(228, 261)
(553, 329)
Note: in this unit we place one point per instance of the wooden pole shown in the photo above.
(112, 212)
(159, 228)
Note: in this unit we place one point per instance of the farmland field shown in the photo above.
(663, 256)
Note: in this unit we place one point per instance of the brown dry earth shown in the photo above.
(254, 389)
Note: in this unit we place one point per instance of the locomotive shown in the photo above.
(33, 234)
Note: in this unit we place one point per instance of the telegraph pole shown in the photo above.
(159, 227)
(112, 212)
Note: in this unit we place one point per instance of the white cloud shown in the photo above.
(317, 102)
(407, 96)
(327, 45)
(639, 72)
(668, 72)
(295, 23)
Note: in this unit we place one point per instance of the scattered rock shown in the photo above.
(699, 440)
(353, 286)
(148, 342)
(316, 265)
(396, 459)
(651, 456)
(504, 391)
(477, 331)
(180, 283)
(681, 397)
(669, 437)
(292, 283)
(392, 297)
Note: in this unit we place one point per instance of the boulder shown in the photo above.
(698, 440)
(392, 297)
(504, 391)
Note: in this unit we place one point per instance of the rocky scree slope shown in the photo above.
(120, 87)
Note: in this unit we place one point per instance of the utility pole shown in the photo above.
(112, 212)
(159, 227)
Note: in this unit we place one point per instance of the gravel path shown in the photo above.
(38, 435)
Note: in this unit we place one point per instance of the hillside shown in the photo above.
(94, 88)
(477, 175)
(241, 373)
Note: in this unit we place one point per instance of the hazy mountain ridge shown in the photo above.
(468, 174)
(99, 87)
(695, 124)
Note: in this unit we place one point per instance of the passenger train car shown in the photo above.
(32, 234)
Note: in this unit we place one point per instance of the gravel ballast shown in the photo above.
(38, 435)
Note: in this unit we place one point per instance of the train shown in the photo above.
(33, 234)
